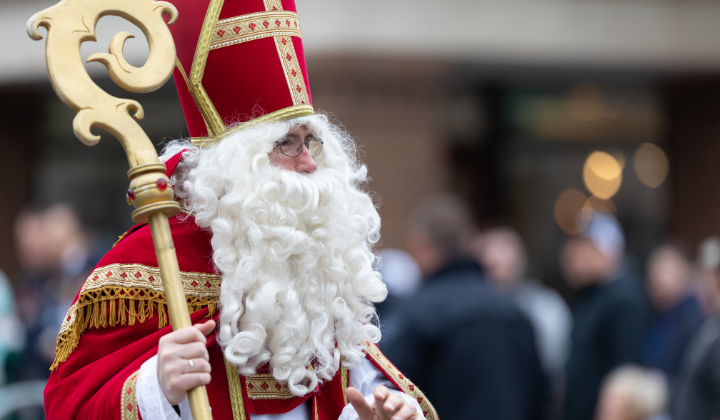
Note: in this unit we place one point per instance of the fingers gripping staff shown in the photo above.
(69, 24)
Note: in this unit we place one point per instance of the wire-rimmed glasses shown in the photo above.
(293, 147)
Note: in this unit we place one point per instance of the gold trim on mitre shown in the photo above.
(202, 99)
(273, 4)
(244, 28)
(209, 39)
(284, 114)
(179, 66)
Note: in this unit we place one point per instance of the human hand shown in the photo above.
(387, 406)
(176, 373)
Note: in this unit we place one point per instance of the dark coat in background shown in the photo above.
(699, 386)
(669, 336)
(469, 349)
(610, 321)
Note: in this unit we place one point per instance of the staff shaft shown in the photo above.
(175, 298)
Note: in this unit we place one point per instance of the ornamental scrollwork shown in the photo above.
(72, 22)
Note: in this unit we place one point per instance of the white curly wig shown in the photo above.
(294, 250)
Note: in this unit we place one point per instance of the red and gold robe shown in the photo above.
(119, 315)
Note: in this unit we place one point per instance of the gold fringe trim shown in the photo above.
(116, 305)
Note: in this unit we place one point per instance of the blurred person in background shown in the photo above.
(708, 260)
(610, 311)
(677, 316)
(633, 393)
(402, 276)
(502, 255)
(698, 387)
(54, 261)
(458, 336)
(12, 331)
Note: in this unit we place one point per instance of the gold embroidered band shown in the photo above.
(179, 66)
(121, 294)
(236, 395)
(202, 99)
(291, 67)
(254, 26)
(344, 379)
(128, 402)
(279, 115)
(405, 385)
(273, 4)
(263, 386)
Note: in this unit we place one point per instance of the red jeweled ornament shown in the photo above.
(129, 196)
(162, 184)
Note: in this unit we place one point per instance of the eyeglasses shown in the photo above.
(292, 148)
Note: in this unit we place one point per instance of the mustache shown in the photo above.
(301, 192)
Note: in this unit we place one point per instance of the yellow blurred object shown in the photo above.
(602, 174)
(571, 214)
(651, 165)
(619, 157)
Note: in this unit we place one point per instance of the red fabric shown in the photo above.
(289, 5)
(237, 85)
(173, 163)
(235, 8)
(185, 32)
(186, 29)
(192, 245)
(243, 81)
(193, 117)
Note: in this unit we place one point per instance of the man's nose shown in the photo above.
(304, 162)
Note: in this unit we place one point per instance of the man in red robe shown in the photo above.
(274, 247)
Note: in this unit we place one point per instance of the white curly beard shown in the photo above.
(294, 251)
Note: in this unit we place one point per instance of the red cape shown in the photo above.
(119, 315)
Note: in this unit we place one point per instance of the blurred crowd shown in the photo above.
(464, 320)
(56, 255)
(484, 341)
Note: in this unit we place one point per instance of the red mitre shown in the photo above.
(239, 62)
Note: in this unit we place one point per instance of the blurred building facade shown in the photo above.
(500, 101)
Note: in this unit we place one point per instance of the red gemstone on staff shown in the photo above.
(162, 184)
(130, 194)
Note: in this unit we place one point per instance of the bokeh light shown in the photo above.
(619, 156)
(651, 165)
(602, 174)
(571, 214)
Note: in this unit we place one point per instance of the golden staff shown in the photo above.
(69, 24)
